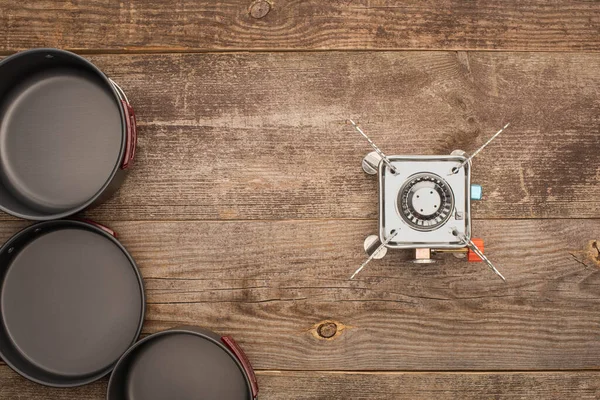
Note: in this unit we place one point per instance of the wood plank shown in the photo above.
(262, 136)
(288, 385)
(191, 25)
(272, 285)
(427, 386)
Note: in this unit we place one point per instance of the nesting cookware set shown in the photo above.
(72, 298)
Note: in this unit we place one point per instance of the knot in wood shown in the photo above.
(327, 330)
(259, 9)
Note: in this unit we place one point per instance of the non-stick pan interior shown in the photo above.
(71, 304)
(61, 133)
(178, 365)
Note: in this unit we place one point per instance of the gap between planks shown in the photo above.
(7, 218)
(167, 51)
(416, 372)
(428, 372)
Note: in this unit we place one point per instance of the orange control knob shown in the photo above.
(471, 256)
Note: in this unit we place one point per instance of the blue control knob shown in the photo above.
(476, 192)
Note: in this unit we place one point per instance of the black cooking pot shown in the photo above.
(71, 302)
(185, 363)
(67, 134)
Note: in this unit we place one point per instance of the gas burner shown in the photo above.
(425, 201)
(424, 204)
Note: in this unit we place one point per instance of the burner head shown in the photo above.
(425, 201)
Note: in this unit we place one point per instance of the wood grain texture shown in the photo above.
(247, 207)
(289, 385)
(191, 25)
(427, 386)
(262, 135)
(271, 284)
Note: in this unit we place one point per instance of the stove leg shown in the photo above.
(370, 163)
(371, 244)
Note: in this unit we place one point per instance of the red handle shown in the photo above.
(241, 356)
(131, 135)
(97, 225)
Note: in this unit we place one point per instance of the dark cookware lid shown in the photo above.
(71, 304)
(61, 136)
(179, 365)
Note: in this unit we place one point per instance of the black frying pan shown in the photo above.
(186, 363)
(67, 134)
(71, 302)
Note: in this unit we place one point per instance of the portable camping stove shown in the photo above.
(424, 204)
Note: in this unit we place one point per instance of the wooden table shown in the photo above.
(247, 207)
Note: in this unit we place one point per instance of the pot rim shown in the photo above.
(96, 229)
(185, 329)
(122, 149)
